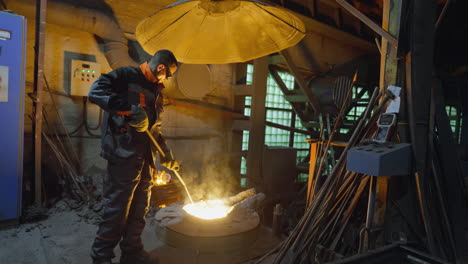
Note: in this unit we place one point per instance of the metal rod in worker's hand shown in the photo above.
(164, 155)
(155, 143)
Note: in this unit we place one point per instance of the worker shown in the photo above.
(132, 100)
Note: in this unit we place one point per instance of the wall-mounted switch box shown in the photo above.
(83, 74)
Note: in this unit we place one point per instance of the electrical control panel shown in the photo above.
(389, 159)
(83, 74)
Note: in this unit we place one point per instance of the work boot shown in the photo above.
(102, 261)
(142, 257)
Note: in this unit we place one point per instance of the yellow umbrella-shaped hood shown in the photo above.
(218, 32)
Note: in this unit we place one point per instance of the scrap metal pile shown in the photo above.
(334, 225)
(333, 202)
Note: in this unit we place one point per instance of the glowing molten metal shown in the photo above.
(162, 178)
(211, 209)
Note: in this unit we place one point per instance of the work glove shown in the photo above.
(169, 162)
(138, 118)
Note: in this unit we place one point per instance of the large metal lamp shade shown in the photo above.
(218, 32)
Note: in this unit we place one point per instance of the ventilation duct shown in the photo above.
(88, 20)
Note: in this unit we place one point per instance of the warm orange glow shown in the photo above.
(211, 209)
(160, 182)
(162, 178)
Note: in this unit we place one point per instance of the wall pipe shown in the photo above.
(89, 20)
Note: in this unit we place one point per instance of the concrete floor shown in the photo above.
(65, 237)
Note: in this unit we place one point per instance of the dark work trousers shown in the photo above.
(126, 198)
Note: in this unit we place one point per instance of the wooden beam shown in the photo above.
(295, 98)
(312, 7)
(204, 107)
(279, 81)
(338, 18)
(257, 121)
(330, 3)
(243, 89)
(41, 11)
(235, 140)
(291, 129)
(240, 125)
(316, 27)
(388, 53)
(388, 76)
(313, 124)
(301, 82)
(379, 30)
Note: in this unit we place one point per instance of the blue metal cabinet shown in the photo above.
(12, 87)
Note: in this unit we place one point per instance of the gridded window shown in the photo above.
(245, 140)
(298, 124)
(344, 130)
(248, 100)
(247, 111)
(287, 78)
(359, 106)
(243, 182)
(300, 141)
(358, 90)
(274, 96)
(303, 177)
(278, 111)
(301, 155)
(245, 146)
(243, 166)
(455, 120)
(279, 117)
(302, 146)
(276, 137)
(249, 77)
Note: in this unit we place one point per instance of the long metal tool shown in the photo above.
(156, 144)
(302, 242)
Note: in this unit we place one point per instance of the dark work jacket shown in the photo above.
(115, 92)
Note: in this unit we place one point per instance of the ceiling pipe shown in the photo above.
(89, 20)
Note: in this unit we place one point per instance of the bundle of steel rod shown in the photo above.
(334, 201)
(70, 176)
(74, 182)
